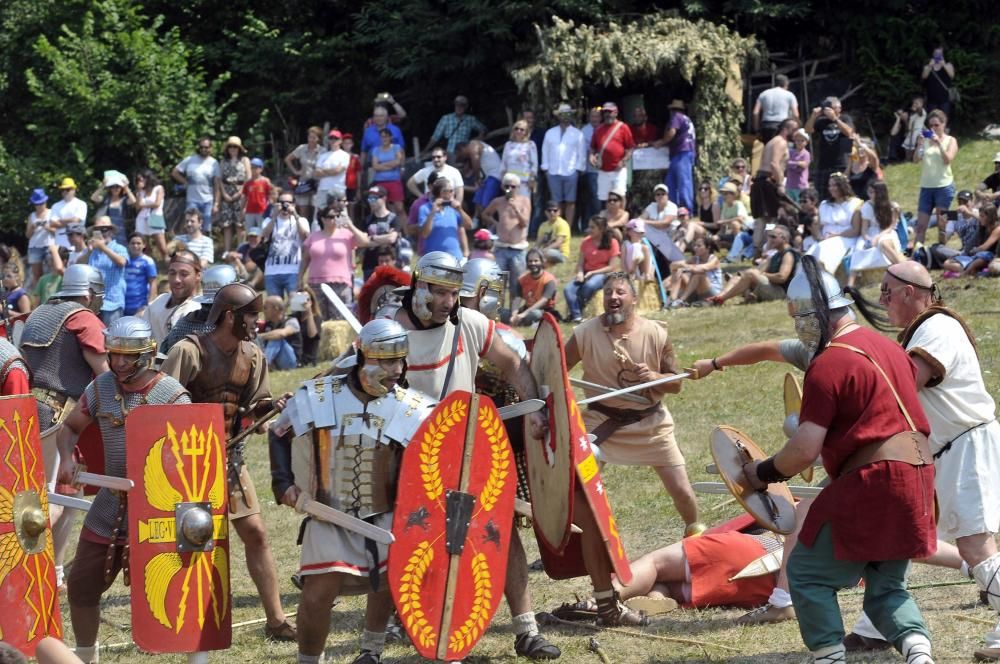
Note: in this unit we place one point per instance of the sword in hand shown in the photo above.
(326, 513)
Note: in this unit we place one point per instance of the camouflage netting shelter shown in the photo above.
(705, 55)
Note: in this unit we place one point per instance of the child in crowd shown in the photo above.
(482, 245)
(636, 255)
(258, 193)
(979, 245)
(140, 276)
(55, 264)
(16, 299)
(797, 171)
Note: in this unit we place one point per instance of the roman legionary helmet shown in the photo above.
(812, 294)
(435, 267)
(380, 339)
(214, 278)
(78, 280)
(239, 299)
(131, 335)
(481, 272)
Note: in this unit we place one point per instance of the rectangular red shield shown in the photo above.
(177, 459)
(27, 571)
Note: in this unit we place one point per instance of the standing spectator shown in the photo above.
(199, 174)
(383, 227)
(282, 336)
(380, 120)
(599, 254)
(644, 132)
(412, 229)
(910, 124)
(114, 199)
(774, 106)
(77, 244)
(286, 230)
(387, 161)
(40, 231)
(535, 133)
(352, 178)
(194, 240)
(439, 165)
(441, 220)
(539, 289)
(68, 212)
(149, 221)
(797, 171)
(109, 258)
(16, 298)
(936, 150)
(331, 169)
(457, 127)
(769, 183)
(564, 156)
(833, 134)
(592, 204)
(520, 158)
(302, 163)
(537, 136)
(553, 236)
(865, 167)
(140, 277)
(235, 171)
(483, 159)
(659, 217)
(939, 78)
(55, 265)
(610, 150)
(329, 258)
(257, 195)
(989, 188)
(680, 138)
(510, 215)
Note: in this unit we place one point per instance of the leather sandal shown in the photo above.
(582, 609)
(535, 647)
(284, 632)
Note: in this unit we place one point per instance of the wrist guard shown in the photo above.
(768, 473)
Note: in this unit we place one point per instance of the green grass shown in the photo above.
(747, 398)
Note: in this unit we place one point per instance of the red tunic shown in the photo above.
(645, 133)
(716, 558)
(884, 510)
(16, 382)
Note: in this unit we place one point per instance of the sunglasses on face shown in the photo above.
(329, 216)
(509, 187)
(704, 189)
(552, 209)
(614, 200)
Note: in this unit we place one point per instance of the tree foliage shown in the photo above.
(703, 54)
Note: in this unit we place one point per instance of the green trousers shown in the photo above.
(815, 576)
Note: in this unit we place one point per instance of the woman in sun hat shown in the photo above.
(40, 231)
(235, 168)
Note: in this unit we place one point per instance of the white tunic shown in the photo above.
(430, 353)
(161, 318)
(967, 474)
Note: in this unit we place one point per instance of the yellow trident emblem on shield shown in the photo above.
(193, 457)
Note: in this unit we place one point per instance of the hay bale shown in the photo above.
(649, 297)
(335, 338)
(595, 307)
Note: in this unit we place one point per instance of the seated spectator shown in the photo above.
(386, 255)
(733, 216)
(837, 234)
(16, 299)
(482, 245)
(770, 282)
(282, 336)
(979, 245)
(539, 289)
(140, 277)
(660, 217)
(616, 213)
(697, 278)
(637, 257)
(600, 254)
(109, 258)
(194, 240)
(808, 218)
(878, 244)
(305, 309)
(553, 236)
(442, 221)
(684, 229)
(987, 191)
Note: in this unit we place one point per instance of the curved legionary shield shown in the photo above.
(793, 404)
(550, 465)
(28, 590)
(178, 529)
(773, 509)
(452, 526)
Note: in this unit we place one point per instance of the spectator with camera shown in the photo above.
(936, 151)
(907, 127)
(939, 79)
(833, 140)
(285, 232)
(109, 258)
(302, 163)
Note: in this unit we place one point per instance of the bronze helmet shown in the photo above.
(236, 297)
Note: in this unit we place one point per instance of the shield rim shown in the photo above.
(777, 490)
(536, 460)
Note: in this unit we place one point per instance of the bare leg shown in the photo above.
(974, 549)
(739, 286)
(318, 593)
(515, 588)
(923, 220)
(975, 267)
(664, 565)
(801, 510)
(378, 610)
(260, 564)
(595, 557)
(696, 283)
(675, 480)
(951, 265)
(227, 237)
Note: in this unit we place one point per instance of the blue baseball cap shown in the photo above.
(258, 162)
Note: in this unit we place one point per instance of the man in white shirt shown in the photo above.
(202, 178)
(564, 156)
(439, 164)
(774, 106)
(593, 204)
(331, 169)
(183, 281)
(70, 211)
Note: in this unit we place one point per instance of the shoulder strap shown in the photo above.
(607, 139)
(943, 84)
(899, 401)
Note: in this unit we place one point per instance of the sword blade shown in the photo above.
(635, 388)
(520, 408)
(604, 389)
(69, 501)
(720, 488)
(769, 563)
(341, 308)
(342, 519)
(105, 481)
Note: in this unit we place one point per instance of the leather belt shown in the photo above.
(50, 398)
(617, 418)
(910, 447)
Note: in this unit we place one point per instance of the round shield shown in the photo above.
(550, 464)
(774, 508)
(793, 404)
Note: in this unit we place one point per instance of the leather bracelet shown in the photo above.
(716, 365)
(768, 473)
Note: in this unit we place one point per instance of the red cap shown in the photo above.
(335, 133)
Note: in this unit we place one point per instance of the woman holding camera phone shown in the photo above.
(329, 258)
(935, 150)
